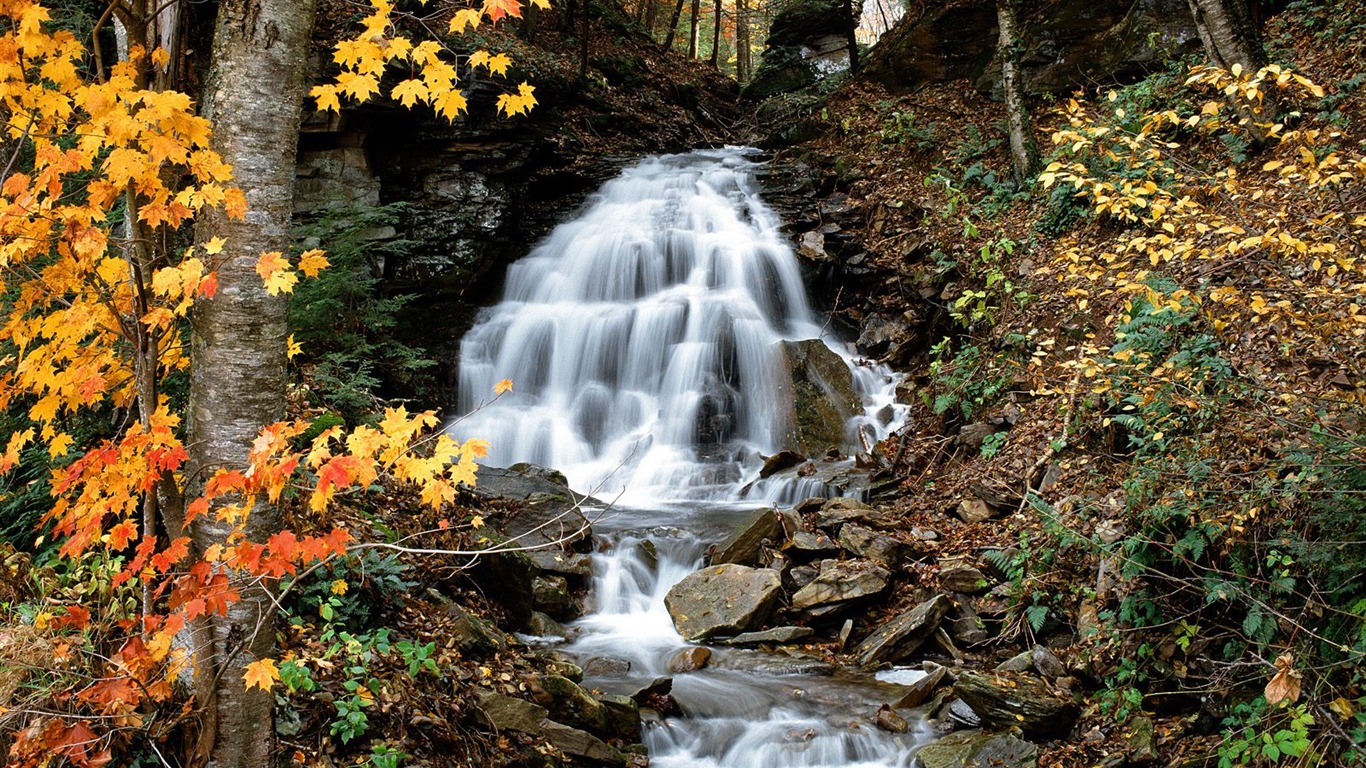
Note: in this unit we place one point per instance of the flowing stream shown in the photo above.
(644, 339)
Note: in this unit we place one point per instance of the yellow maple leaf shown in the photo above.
(479, 59)
(312, 261)
(503, 386)
(160, 58)
(409, 92)
(275, 273)
(465, 17)
(541, 4)
(498, 64)
(262, 674)
(292, 347)
(339, 587)
(326, 97)
(450, 105)
(519, 103)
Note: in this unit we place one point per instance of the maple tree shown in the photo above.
(94, 319)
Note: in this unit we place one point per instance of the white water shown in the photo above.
(643, 342)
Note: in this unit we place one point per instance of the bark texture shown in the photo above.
(695, 29)
(254, 98)
(1229, 34)
(1024, 151)
(744, 63)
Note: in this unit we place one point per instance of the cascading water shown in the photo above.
(644, 341)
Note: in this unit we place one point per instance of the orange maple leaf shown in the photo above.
(262, 674)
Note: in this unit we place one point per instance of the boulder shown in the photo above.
(836, 512)
(888, 720)
(777, 635)
(1142, 742)
(1047, 663)
(623, 716)
(723, 599)
(507, 713)
(550, 595)
(744, 543)
(1005, 700)
(973, 510)
(805, 42)
(572, 705)
(967, 627)
(474, 636)
(901, 636)
(541, 625)
(780, 461)
(978, 749)
(875, 546)
(963, 578)
(841, 581)
(1070, 44)
(607, 666)
(548, 521)
(805, 544)
(822, 397)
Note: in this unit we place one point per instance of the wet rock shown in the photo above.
(960, 713)
(656, 697)
(550, 595)
(900, 637)
(973, 510)
(822, 397)
(1020, 662)
(967, 627)
(920, 690)
(506, 713)
(607, 666)
(623, 716)
(890, 337)
(744, 543)
(978, 749)
(474, 636)
(548, 521)
(888, 720)
(959, 577)
(689, 659)
(878, 547)
(572, 705)
(780, 461)
(810, 545)
(1005, 700)
(842, 581)
(563, 666)
(833, 513)
(577, 743)
(723, 599)
(777, 635)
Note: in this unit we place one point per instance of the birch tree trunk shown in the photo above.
(695, 29)
(1228, 33)
(1024, 152)
(254, 98)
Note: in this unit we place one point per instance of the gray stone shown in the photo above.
(577, 743)
(565, 667)
(875, 546)
(506, 713)
(607, 666)
(542, 625)
(1005, 700)
(1142, 742)
(966, 626)
(474, 636)
(550, 595)
(1047, 663)
(780, 461)
(802, 575)
(623, 716)
(1020, 662)
(743, 544)
(971, 436)
(723, 599)
(548, 521)
(900, 637)
(842, 581)
(822, 397)
(960, 713)
(807, 544)
(777, 635)
(833, 513)
(978, 749)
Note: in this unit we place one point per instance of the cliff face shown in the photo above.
(1067, 43)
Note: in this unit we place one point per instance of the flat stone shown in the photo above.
(961, 713)
(744, 543)
(810, 545)
(777, 635)
(1005, 700)
(780, 461)
(841, 581)
(507, 713)
(623, 716)
(978, 749)
(1047, 663)
(836, 512)
(920, 690)
(577, 743)
(900, 637)
(607, 666)
(723, 599)
(572, 705)
(875, 546)
(541, 625)
(965, 579)
(1020, 662)
(550, 595)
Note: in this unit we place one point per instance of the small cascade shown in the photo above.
(644, 341)
(650, 344)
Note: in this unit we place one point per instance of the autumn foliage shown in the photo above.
(102, 175)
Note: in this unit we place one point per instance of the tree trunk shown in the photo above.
(651, 17)
(254, 97)
(695, 28)
(744, 66)
(1024, 152)
(716, 37)
(583, 42)
(851, 32)
(673, 25)
(1229, 34)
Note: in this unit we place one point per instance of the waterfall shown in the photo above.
(643, 340)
